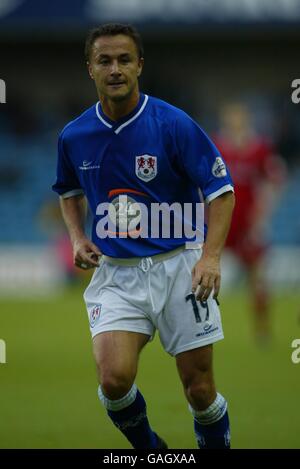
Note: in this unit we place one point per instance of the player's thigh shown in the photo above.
(187, 324)
(117, 352)
(196, 366)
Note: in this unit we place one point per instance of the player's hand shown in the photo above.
(86, 254)
(206, 277)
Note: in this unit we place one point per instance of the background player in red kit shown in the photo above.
(258, 173)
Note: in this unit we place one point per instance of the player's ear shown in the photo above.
(90, 70)
(140, 66)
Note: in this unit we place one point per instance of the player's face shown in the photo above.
(115, 66)
(235, 118)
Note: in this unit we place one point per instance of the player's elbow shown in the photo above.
(228, 199)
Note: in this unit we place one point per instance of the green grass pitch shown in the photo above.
(48, 389)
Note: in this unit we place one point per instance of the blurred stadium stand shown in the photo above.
(198, 54)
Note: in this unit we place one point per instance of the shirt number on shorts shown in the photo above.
(191, 297)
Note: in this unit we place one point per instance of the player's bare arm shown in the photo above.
(85, 253)
(206, 274)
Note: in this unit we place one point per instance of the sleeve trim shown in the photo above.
(72, 193)
(214, 195)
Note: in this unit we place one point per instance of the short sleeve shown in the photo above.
(67, 183)
(201, 159)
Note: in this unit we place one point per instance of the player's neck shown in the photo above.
(115, 110)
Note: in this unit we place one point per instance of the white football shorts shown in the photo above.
(153, 295)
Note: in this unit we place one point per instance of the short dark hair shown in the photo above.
(112, 29)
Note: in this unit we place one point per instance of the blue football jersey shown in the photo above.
(155, 155)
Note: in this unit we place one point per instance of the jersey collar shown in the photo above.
(118, 125)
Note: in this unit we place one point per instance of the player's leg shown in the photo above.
(260, 298)
(120, 329)
(187, 329)
(209, 408)
(252, 256)
(116, 354)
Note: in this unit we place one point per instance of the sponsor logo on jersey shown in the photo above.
(88, 165)
(219, 168)
(95, 315)
(125, 212)
(146, 167)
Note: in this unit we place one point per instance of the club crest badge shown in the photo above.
(219, 168)
(146, 167)
(95, 314)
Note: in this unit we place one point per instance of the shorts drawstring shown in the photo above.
(145, 266)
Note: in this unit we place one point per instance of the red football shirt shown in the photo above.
(250, 165)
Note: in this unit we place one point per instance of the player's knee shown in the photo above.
(115, 386)
(200, 394)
